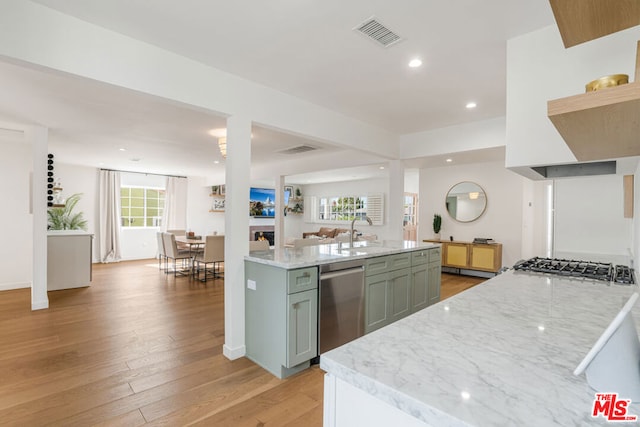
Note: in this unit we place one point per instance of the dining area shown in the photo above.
(198, 257)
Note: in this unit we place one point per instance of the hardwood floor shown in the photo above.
(139, 347)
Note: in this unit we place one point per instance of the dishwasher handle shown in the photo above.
(339, 273)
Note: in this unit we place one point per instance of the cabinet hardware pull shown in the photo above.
(306, 274)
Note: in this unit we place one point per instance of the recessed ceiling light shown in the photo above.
(381, 167)
(123, 149)
(415, 63)
(135, 159)
(471, 105)
(216, 161)
(449, 160)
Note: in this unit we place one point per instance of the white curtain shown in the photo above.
(174, 216)
(109, 216)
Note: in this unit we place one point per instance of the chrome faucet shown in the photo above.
(366, 218)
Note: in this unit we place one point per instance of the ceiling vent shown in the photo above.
(297, 149)
(373, 29)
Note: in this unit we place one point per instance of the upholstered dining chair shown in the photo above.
(172, 252)
(162, 257)
(181, 246)
(213, 255)
(258, 245)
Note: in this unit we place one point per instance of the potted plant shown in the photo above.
(437, 225)
(63, 218)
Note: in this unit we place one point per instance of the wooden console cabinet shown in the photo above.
(471, 256)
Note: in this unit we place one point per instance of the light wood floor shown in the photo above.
(140, 347)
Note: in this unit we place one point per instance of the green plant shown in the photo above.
(63, 218)
(437, 223)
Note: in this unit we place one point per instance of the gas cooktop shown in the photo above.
(620, 274)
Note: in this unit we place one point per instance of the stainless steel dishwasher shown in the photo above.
(341, 304)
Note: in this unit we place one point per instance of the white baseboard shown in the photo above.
(17, 285)
(233, 353)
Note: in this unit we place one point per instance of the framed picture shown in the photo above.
(218, 190)
(288, 193)
(218, 204)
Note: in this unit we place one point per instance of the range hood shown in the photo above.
(576, 169)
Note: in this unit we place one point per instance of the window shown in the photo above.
(141, 207)
(410, 209)
(347, 208)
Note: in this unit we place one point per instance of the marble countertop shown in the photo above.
(307, 256)
(68, 233)
(499, 354)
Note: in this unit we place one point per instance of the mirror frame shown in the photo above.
(484, 208)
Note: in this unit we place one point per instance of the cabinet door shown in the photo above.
(302, 327)
(457, 255)
(420, 290)
(433, 282)
(376, 302)
(399, 285)
(484, 257)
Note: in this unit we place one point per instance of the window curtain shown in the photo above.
(174, 216)
(109, 216)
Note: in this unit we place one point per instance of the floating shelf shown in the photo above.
(582, 20)
(600, 125)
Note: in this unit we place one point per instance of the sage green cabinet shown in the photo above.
(425, 277)
(376, 296)
(398, 285)
(281, 317)
(433, 281)
(387, 290)
(302, 327)
(420, 291)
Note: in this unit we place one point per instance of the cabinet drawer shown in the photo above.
(435, 255)
(400, 261)
(420, 257)
(302, 279)
(377, 265)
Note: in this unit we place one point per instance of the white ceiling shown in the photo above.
(304, 48)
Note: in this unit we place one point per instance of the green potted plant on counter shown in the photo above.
(437, 225)
(63, 218)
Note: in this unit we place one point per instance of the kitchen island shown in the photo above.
(294, 311)
(499, 354)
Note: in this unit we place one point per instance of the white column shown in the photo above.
(396, 199)
(279, 222)
(236, 230)
(38, 137)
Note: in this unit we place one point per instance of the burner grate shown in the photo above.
(569, 268)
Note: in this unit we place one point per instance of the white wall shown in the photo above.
(16, 257)
(502, 219)
(199, 202)
(589, 219)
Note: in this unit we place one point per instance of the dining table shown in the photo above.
(194, 244)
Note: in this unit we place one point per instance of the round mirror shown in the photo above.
(466, 201)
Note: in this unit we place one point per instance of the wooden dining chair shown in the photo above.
(212, 256)
(172, 252)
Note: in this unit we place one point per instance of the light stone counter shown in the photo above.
(290, 258)
(499, 354)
